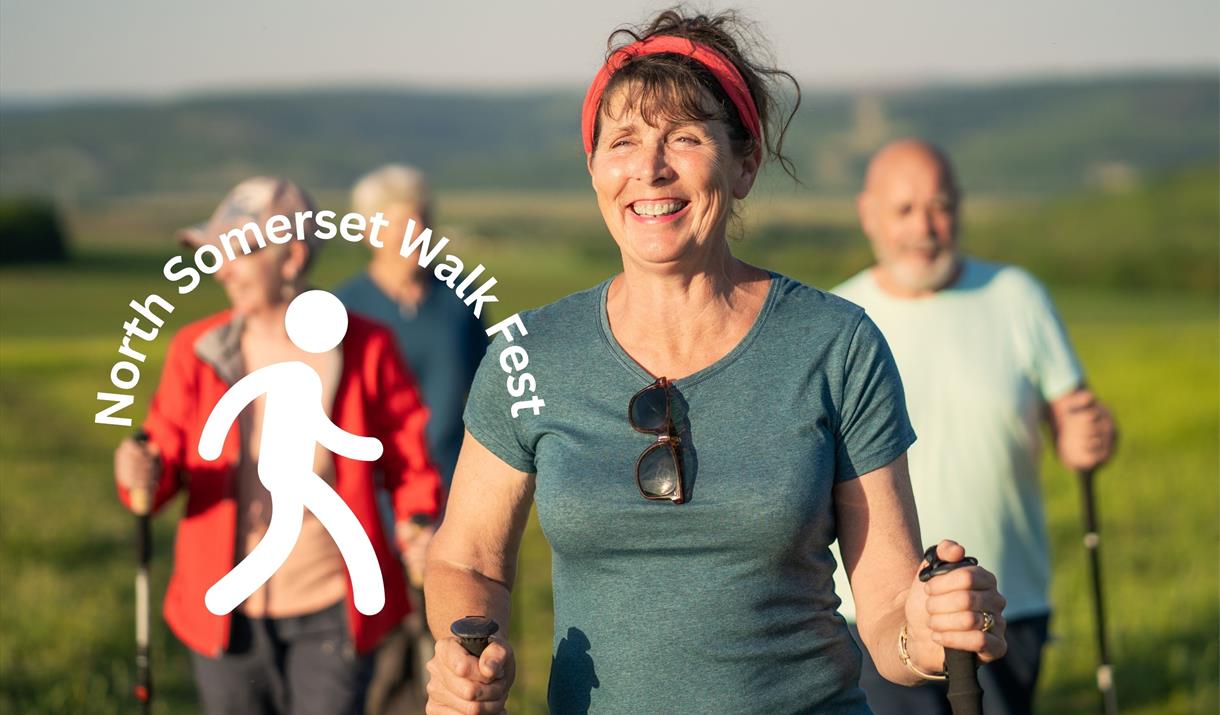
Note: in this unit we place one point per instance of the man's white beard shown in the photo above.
(930, 278)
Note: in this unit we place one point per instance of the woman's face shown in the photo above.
(255, 283)
(665, 192)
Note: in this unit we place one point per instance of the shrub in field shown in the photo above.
(30, 230)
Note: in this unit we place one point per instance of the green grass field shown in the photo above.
(67, 547)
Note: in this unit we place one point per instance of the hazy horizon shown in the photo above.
(141, 50)
(11, 101)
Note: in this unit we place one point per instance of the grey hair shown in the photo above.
(391, 184)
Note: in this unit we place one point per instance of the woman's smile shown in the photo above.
(656, 211)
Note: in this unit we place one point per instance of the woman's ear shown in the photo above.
(589, 166)
(296, 262)
(749, 172)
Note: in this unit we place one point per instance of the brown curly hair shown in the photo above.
(674, 87)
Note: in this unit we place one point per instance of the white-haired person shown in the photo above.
(442, 342)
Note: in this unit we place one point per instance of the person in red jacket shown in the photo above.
(297, 644)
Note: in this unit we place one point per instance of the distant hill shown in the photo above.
(1034, 137)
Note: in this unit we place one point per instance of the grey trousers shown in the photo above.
(305, 665)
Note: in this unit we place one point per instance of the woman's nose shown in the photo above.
(654, 166)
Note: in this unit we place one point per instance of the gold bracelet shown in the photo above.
(906, 658)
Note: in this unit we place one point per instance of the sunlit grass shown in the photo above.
(66, 546)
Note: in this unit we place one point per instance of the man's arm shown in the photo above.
(1083, 428)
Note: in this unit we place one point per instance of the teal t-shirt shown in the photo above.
(725, 603)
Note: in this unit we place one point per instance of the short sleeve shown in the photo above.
(874, 428)
(488, 414)
(1055, 368)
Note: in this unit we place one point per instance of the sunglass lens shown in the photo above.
(648, 409)
(657, 471)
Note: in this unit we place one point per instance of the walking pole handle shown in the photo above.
(965, 696)
(141, 498)
(474, 633)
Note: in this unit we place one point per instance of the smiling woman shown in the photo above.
(711, 428)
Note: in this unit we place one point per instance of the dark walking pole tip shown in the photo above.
(965, 696)
(474, 633)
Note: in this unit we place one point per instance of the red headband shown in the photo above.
(721, 68)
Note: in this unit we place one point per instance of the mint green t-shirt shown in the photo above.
(725, 603)
(979, 361)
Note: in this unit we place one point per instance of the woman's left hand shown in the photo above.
(949, 612)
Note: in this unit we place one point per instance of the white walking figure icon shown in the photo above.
(294, 423)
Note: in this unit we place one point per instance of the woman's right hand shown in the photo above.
(460, 684)
(137, 465)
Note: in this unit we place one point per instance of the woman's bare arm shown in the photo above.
(879, 542)
(472, 560)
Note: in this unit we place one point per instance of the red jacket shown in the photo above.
(376, 396)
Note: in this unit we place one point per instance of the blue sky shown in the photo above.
(52, 49)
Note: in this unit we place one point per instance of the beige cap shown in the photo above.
(256, 199)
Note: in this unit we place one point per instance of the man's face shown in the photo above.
(909, 212)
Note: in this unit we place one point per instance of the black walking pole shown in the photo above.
(1092, 541)
(965, 696)
(141, 504)
(474, 633)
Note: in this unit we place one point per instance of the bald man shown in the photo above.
(984, 359)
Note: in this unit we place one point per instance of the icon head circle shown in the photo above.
(316, 321)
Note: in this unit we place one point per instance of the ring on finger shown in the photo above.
(988, 622)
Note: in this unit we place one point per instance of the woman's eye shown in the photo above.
(687, 139)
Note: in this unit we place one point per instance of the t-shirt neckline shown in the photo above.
(698, 376)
